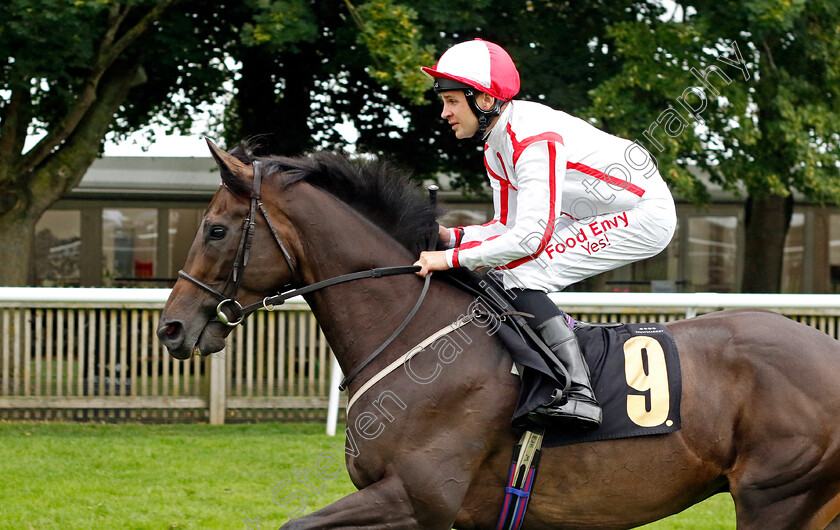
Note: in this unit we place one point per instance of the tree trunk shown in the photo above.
(24, 200)
(295, 136)
(767, 221)
(277, 122)
(17, 236)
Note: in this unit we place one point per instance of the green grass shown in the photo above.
(160, 476)
(716, 513)
(56, 475)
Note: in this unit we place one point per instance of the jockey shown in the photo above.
(570, 200)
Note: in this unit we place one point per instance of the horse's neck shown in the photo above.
(355, 316)
(336, 239)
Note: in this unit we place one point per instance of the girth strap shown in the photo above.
(523, 473)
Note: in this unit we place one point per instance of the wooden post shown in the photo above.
(218, 380)
(332, 406)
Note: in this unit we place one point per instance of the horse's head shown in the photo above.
(221, 273)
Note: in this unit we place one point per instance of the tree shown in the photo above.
(304, 63)
(749, 93)
(307, 67)
(77, 84)
(68, 76)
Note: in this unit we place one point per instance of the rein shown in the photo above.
(270, 302)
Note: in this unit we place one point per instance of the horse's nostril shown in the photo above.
(171, 333)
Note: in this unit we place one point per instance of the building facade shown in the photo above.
(131, 221)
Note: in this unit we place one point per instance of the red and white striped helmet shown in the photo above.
(481, 64)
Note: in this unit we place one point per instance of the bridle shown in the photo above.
(227, 294)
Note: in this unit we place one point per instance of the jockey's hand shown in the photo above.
(443, 235)
(431, 261)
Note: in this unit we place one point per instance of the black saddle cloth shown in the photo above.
(634, 370)
(636, 377)
(635, 374)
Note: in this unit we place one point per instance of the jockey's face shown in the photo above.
(459, 115)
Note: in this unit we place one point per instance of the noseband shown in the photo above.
(240, 313)
(227, 295)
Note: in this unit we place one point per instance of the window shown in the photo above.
(57, 256)
(712, 254)
(183, 225)
(834, 252)
(794, 256)
(129, 246)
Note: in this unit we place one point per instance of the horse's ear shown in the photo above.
(236, 174)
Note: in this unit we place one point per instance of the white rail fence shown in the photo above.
(93, 353)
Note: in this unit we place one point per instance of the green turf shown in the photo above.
(68, 476)
(716, 513)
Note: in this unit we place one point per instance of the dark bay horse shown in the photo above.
(430, 447)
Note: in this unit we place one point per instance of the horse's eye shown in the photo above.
(217, 232)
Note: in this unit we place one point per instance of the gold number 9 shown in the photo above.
(653, 381)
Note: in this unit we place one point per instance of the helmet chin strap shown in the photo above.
(485, 117)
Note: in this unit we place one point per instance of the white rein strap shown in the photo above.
(406, 357)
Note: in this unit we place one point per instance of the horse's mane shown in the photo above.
(378, 190)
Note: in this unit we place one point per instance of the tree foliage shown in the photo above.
(749, 93)
(772, 125)
(306, 68)
(366, 72)
(67, 78)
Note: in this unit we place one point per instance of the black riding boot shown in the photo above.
(578, 406)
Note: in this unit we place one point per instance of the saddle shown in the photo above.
(634, 370)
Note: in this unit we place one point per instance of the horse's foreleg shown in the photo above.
(384, 504)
